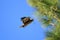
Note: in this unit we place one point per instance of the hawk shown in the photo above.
(26, 21)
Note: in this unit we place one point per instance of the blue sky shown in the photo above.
(11, 12)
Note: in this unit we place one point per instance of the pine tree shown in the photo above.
(48, 13)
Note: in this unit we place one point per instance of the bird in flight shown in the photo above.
(26, 21)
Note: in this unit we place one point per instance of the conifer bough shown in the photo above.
(48, 12)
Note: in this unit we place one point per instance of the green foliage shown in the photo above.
(48, 12)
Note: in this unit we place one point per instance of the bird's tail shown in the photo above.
(21, 26)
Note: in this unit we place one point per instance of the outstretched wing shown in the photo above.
(23, 18)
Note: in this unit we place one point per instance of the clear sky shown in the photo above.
(11, 12)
